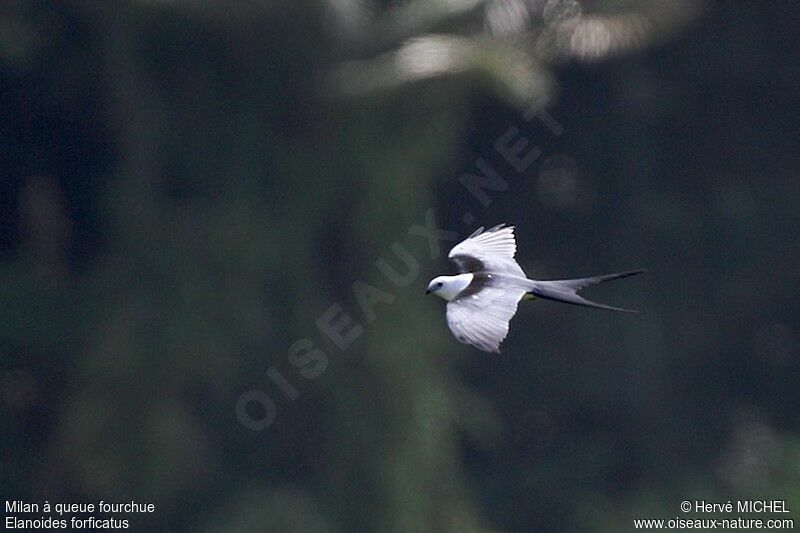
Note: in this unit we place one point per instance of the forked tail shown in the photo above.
(566, 290)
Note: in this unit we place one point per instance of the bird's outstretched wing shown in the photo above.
(491, 251)
(480, 316)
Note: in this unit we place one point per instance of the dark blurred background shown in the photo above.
(187, 187)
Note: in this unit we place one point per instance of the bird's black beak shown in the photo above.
(427, 291)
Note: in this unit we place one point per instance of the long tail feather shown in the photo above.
(566, 290)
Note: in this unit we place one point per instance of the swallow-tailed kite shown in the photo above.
(483, 297)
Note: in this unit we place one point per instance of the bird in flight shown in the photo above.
(483, 297)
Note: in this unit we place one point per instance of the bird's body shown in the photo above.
(483, 297)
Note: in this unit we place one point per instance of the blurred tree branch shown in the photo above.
(511, 44)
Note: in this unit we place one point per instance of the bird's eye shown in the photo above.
(439, 284)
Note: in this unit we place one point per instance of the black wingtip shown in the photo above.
(490, 230)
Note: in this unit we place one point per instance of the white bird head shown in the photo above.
(448, 287)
